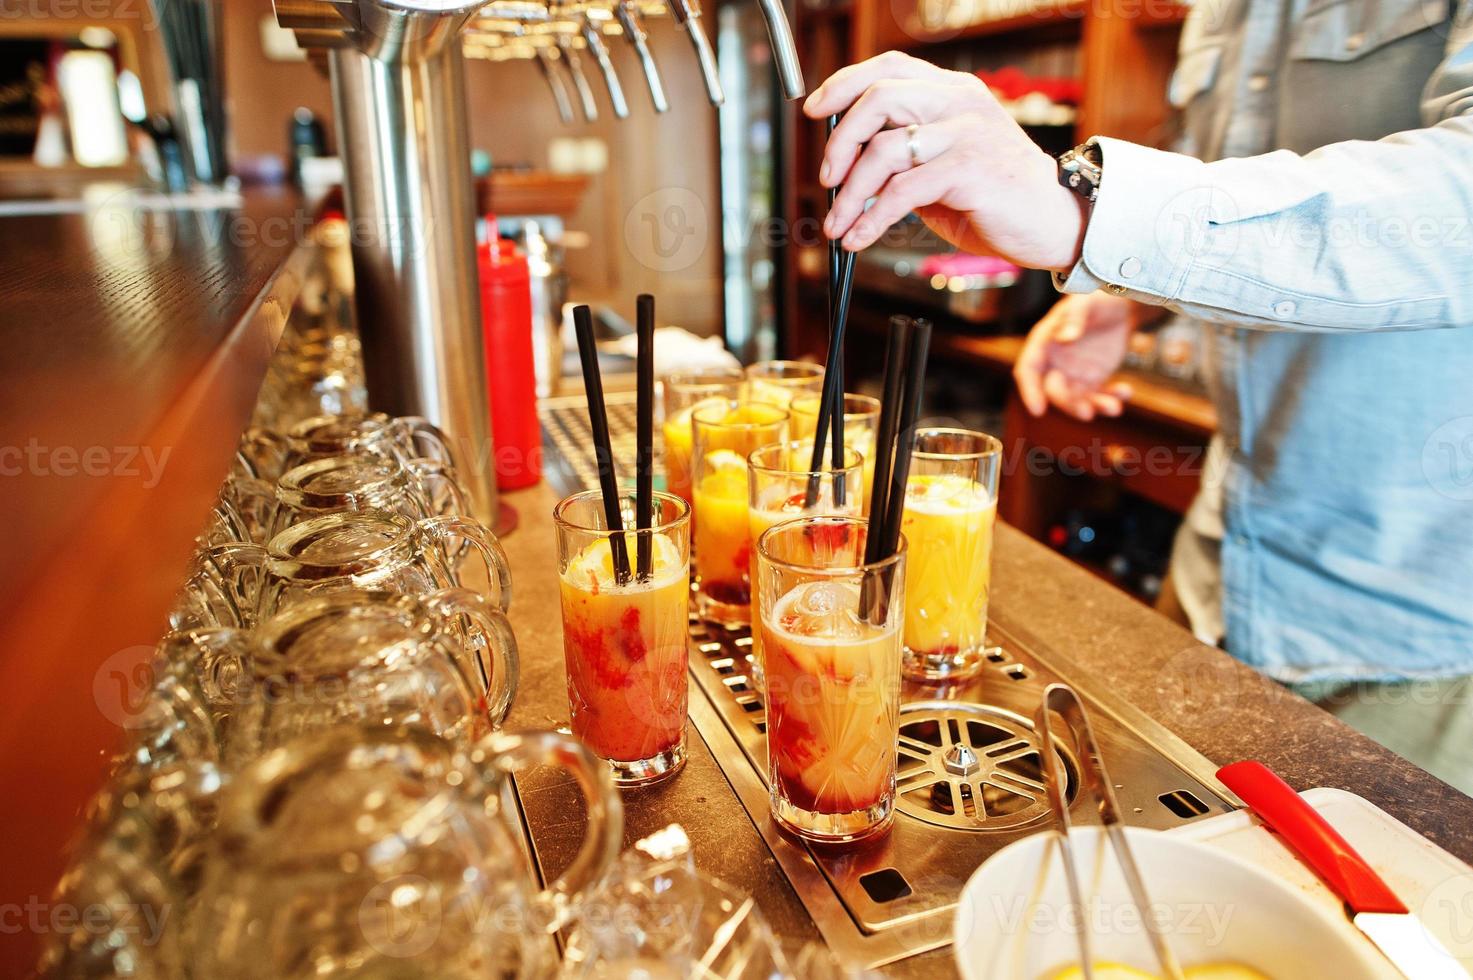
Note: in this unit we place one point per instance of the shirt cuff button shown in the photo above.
(1130, 268)
(1284, 309)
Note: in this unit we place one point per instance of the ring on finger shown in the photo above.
(913, 145)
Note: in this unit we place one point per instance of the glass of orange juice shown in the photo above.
(726, 432)
(681, 393)
(950, 508)
(779, 382)
(861, 420)
(624, 643)
(778, 480)
(830, 627)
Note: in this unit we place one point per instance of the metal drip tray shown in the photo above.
(968, 765)
(969, 783)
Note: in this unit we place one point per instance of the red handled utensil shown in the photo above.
(1373, 907)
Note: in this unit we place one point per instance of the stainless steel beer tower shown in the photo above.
(398, 86)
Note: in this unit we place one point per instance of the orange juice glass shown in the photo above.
(831, 640)
(861, 420)
(779, 382)
(950, 509)
(681, 393)
(778, 478)
(624, 643)
(726, 433)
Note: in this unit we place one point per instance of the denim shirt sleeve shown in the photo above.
(1353, 236)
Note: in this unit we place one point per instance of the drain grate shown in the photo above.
(971, 767)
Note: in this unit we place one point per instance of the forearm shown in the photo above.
(1355, 236)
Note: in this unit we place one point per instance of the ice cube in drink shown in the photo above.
(833, 695)
(779, 502)
(625, 651)
(948, 529)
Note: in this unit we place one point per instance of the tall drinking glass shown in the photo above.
(726, 433)
(682, 392)
(778, 478)
(950, 507)
(779, 382)
(861, 421)
(831, 640)
(625, 642)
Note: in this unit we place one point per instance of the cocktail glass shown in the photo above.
(831, 640)
(861, 420)
(726, 433)
(778, 480)
(681, 393)
(624, 643)
(950, 507)
(779, 382)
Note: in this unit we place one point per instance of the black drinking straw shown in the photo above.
(644, 501)
(910, 404)
(598, 420)
(879, 494)
(831, 398)
(884, 536)
(846, 289)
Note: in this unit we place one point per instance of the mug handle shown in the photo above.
(220, 577)
(421, 434)
(437, 484)
(262, 454)
(247, 508)
(497, 663)
(501, 754)
(474, 534)
(214, 662)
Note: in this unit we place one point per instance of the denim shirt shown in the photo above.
(1328, 253)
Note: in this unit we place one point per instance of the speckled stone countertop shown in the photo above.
(1223, 709)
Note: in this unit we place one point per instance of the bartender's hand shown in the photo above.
(1071, 353)
(981, 183)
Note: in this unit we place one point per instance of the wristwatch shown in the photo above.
(1080, 170)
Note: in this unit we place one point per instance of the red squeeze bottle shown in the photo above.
(506, 320)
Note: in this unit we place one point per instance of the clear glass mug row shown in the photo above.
(239, 585)
(445, 661)
(266, 454)
(252, 509)
(351, 852)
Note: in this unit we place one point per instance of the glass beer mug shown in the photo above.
(240, 585)
(373, 853)
(266, 454)
(446, 662)
(255, 510)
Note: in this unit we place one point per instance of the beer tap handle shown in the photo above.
(784, 51)
(600, 53)
(634, 31)
(555, 83)
(580, 80)
(688, 14)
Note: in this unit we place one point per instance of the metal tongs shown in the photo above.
(1062, 699)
